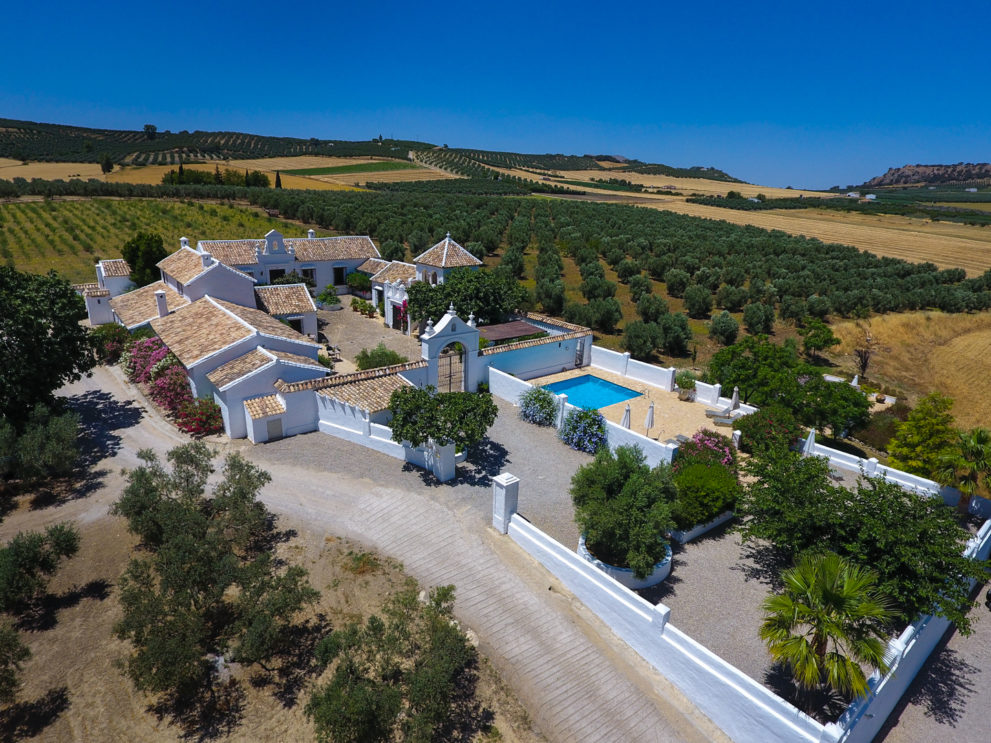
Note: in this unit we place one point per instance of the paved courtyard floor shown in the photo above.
(351, 332)
(671, 415)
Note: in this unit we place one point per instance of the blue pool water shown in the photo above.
(588, 391)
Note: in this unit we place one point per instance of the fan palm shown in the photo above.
(827, 624)
(968, 465)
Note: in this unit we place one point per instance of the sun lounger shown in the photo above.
(724, 413)
(723, 422)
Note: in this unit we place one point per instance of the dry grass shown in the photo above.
(10, 169)
(923, 352)
(152, 174)
(73, 661)
(945, 244)
(388, 176)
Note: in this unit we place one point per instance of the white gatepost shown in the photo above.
(505, 499)
(626, 363)
(870, 467)
(660, 616)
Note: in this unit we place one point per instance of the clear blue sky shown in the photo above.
(775, 93)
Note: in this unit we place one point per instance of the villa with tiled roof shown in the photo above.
(290, 303)
(433, 265)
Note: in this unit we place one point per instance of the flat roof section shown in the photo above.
(508, 330)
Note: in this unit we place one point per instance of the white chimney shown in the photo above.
(207, 259)
(311, 234)
(163, 307)
(184, 242)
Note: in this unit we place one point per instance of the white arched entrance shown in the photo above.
(449, 369)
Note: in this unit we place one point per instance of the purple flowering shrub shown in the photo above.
(770, 428)
(584, 430)
(142, 356)
(171, 389)
(538, 405)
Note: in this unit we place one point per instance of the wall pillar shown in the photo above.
(667, 380)
(505, 499)
(870, 467)
(626, 363)
(562, 403)
(659, 618)
(441, 461)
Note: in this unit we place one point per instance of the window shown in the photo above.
(275, 273)
(340, 275)
(309, 273)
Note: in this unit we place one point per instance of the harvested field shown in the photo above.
(69, 236)
(370, 167)
(923, 352)
(10, 169)
(947, 245)
(152, 174)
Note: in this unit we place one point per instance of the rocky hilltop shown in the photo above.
(932, 174)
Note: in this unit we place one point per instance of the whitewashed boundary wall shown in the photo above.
(506, 386)
(873, 468)
(622, 364)
(746, 710)
(906, 656)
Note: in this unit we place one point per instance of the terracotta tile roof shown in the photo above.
(261, 407)
(328, 382)
(536, 342)
(138, 307)
(265, 324)
(254, 360)
(233, 370)
(91, 290)
(288, 299)
(554, 321)
(373, 265)
(332, 248)
(395, 271)
(116, 268)
(447, 254)
(367, 394)
(293, 358)
(233, 252)
(209, 325)
(184, 265)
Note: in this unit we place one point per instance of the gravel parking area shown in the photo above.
(535, 455)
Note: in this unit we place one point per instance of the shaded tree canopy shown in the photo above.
(142, 253)
(421, 415)
(43, 345)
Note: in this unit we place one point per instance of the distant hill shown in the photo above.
(961, 173)
(37, 142)
(28, 140)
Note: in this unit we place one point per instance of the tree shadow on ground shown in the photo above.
(467, 716)
(485, 460)
(28, 719)
(763, 563)
(823, 704)
(942, 689)
(213, 712)
(59, 491)
(100, 415)
(297, 664)
(669, 586)
(43, 613)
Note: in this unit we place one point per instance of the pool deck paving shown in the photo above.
(671, 415)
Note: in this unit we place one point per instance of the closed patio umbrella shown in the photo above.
(809, 448)
(626, 417)
(649, 423)
(734, 403)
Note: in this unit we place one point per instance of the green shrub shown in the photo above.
(881, 426)
(771, 427)
(359, 282)
(724, 328)
(584, 429)
(378, 357)
(706, 447)
(329, 295)
(704, 492)
(48, 446)
(676, 335)
(698, 301)
(538, 405)
(641, 339)
(685, 380)
(623, 508)
(758, 318)
(109, 341)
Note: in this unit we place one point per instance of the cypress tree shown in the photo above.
(278, 180)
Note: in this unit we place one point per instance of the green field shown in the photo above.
(70, 236)
(375, 167)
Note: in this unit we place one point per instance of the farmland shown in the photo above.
(926, 351)
(152, 175)
(371, 167)
(70, 236)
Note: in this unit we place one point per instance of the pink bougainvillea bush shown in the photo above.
(200, 417)
(139, 360)
(706, 447)
(171, 389)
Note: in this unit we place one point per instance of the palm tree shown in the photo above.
(968, 465)
(827, 623)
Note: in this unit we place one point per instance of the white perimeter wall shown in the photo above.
(746, 710)
(622, 364)
(534, 361)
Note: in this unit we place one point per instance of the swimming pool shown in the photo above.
(588, 391)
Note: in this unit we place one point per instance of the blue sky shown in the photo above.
(774, 93)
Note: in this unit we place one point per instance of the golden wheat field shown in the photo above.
(930, 351)
(946, 245)
(10, 169)
(153, 174)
